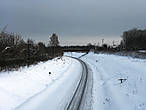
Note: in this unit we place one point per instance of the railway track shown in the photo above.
(78, 97)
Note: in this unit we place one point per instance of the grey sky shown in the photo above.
(74, 21)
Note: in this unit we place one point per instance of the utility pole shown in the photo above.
(98, 44)
(113, 43)
(102, 41)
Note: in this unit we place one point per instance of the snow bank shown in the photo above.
(109, 93)
(18, 86)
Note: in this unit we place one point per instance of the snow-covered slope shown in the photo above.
(108, 92)
(19, 87)
(34, 89)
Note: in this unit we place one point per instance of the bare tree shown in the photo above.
(54, 40)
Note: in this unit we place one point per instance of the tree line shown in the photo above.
(15, 52)
(134, 39)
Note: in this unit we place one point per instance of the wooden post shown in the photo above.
(122, 80)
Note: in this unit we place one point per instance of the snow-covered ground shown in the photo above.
(34, 89)
(18, 87)
(74, 54)
(108, 92)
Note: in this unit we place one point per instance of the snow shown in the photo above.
(22, 87)
(73, 54)
(34, 89)
(108, 92)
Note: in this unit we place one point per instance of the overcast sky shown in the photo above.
(74, 21)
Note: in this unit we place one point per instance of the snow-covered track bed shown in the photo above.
(79, 93)
(34, 88)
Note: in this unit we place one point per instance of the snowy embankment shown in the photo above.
(18, 88)
(108, 91)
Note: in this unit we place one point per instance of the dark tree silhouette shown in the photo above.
(134, 39)
(54, 40)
